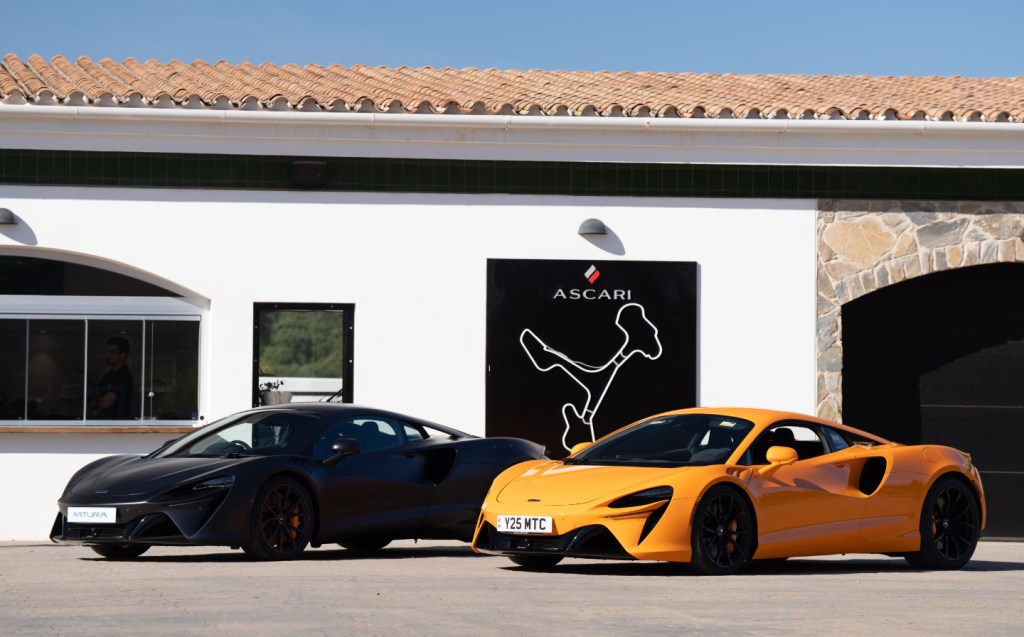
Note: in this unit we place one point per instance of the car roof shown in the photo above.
(342, 409)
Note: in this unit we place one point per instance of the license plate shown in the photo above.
(92, 515)
(525, 524)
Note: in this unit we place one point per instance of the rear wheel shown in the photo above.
(950, 526)
(120, 551)
(536, 561)
(281, 521)
(722, 537)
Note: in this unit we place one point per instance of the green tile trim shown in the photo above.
(456, 176)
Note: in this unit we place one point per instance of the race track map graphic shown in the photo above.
(577, 349)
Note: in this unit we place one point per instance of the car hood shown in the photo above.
(138, 475)
(557, 484)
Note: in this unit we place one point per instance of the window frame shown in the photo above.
(348, 339)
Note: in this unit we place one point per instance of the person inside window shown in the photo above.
(112, 398)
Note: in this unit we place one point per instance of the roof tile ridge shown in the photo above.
(266, 91)
(208, 81)
(112, 84)
(9, 83)
(151, 78)
(469, 91)
(367, 85)
(413, 91)
(302, 88)
(126, 76)
(172, 77)
(25, 76)
(85, 83)
(52, 77)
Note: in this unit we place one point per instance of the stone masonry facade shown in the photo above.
(863, 246)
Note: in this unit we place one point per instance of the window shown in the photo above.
(95, 369)
(93, 347)
(303, 351)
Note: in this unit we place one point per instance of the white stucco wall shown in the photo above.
(415, 268)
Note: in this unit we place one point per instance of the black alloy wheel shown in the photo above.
(950, 526)
(536, 562)
(722, 537)
(120, 551)
(281, 521)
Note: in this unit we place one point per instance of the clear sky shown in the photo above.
(853, 37)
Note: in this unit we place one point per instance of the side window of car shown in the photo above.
(414, 434)
(836, 440)
(803, 438)
(373, 433)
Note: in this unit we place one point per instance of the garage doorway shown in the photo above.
(940, 359)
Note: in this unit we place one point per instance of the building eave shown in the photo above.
(919, 143)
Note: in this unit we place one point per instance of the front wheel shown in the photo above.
(281, 520)
(722, 537)
(120, 551)
(950, 526)
(538, 562)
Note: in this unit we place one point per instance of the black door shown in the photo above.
(940, 359)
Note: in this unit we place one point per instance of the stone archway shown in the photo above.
(863, 246)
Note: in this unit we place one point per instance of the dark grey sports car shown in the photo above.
(276, 479)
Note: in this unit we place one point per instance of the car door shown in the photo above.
(810, 507)
(382, 490)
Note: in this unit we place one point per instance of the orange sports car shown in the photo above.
(719, 487)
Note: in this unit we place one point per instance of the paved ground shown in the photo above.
(441, 588)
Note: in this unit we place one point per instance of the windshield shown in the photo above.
(252, 434)
(673, 441)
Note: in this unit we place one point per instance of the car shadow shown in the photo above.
(801, 566)
(223, 554)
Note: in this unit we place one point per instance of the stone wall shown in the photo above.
(863, 246)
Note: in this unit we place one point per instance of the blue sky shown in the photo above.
(979, 39)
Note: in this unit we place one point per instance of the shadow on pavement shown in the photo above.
(223, 554)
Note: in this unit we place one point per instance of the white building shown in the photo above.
(181, 210)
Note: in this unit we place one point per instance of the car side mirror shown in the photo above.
(342, 448)
(778, 457)
(578, 447)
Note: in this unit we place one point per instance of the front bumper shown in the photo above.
(197, 520)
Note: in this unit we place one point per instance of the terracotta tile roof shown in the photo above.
(512, 92)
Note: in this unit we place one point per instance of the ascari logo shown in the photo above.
(593, 294)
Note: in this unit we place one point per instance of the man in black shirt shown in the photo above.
(112, 399)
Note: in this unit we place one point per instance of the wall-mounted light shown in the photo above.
(7, 217)
(592, 227)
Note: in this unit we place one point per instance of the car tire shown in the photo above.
(281, 521)
(120, 551)
(536, 562)
(722, 534)
(364, 545)
(950, 526)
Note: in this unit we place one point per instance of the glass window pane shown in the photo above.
(114, 356)
(302, 349)
(56, 369)
(12, 369)
(172, 370)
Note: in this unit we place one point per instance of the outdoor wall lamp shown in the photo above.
(7, 217)
(592, 226)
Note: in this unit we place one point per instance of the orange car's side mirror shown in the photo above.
(578, 447)
(778, 457)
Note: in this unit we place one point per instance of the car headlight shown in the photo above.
(215, 483)
(640, 498)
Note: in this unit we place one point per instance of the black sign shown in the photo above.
(577, 349)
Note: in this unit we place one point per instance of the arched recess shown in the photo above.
(921, 331)
(88, 342)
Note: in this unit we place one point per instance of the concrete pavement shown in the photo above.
(442, 588)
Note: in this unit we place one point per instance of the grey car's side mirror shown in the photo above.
(342, 448)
